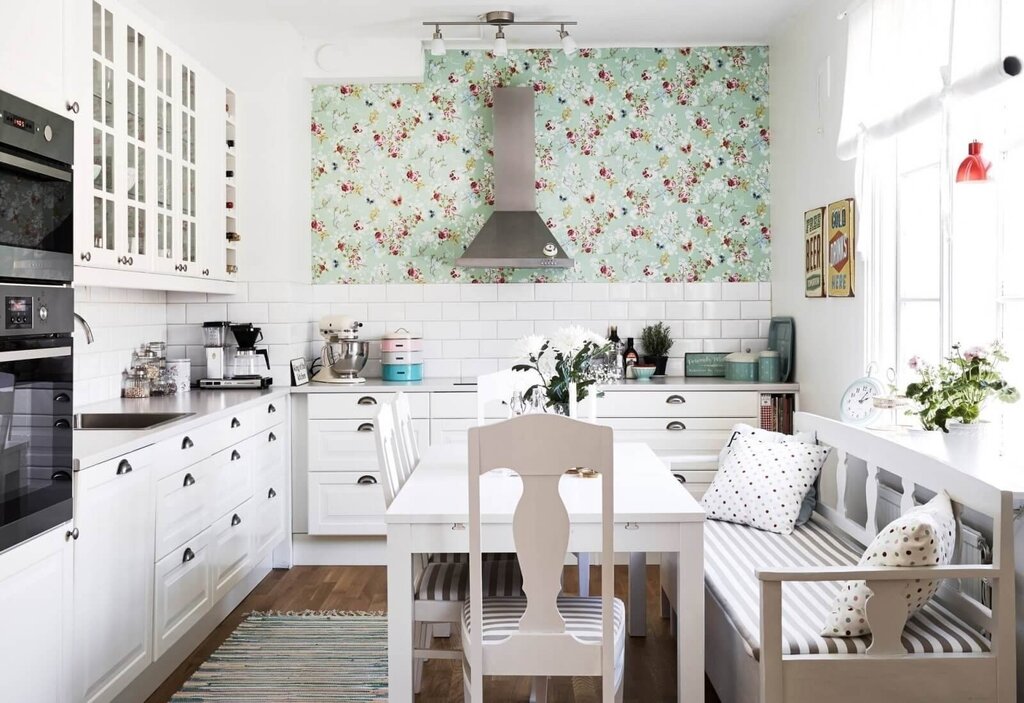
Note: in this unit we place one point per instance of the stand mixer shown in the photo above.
(343, 355)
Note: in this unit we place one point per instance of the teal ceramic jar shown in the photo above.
(769, 366)
(741, 366)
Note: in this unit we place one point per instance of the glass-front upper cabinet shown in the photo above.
(166, 234)
(188, 168)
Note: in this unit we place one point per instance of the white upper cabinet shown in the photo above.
(149, 156)
(31, 43)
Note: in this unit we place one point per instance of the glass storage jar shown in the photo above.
(135, 383)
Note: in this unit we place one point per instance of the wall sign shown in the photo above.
(814, 253)
(704, 364)
(841, 249)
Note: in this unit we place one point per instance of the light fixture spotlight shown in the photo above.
(568, 43)
(500, 45)
(437, 43)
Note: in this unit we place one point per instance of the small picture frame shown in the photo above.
(300, 374)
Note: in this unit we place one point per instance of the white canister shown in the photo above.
(181, 371)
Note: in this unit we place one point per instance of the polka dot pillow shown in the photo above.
(763, 484)
(924, 536)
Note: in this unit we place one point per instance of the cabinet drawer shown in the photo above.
(230, 479)
(450, 430)
(269, 520)
(269, 413)
(346, 503)
(461, 405)
(181, 506)
(328, 406)
(183, 596)
(232, 428)
(350, 444)
(230, 549)
(185, 449)
(268, 448)
(695, 481)
(744, 404)
(706, 435)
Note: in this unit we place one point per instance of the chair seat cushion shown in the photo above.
(582, 619)
(732, 554)
(449, 581)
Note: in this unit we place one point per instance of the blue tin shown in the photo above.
(401, 372)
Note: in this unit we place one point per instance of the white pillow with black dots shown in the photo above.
(923, 536)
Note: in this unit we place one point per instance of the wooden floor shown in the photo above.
(650, 661)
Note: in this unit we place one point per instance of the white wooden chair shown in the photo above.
(407, 441)
(542, 634)
(442, 585)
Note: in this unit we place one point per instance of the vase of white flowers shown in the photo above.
(566, 364)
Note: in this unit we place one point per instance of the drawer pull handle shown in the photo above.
(235, 456)
(271, 437)
(187, 443)
(124, 467)
(60, 476)
(675, 400)
(365, 427)
(680, 478)
(271, 494)
(62, 424)
(62, 398)
(188, 556)
(367, 400)
(366, 480)
(458, 526)
(190, 480)
(632, 525)
(235, 423)
(271, 409)
(71, 534)
(235, 520)
(675, 426)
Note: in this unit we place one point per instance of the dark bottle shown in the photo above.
(630, 358)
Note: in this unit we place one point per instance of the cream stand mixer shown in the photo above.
(344, 355)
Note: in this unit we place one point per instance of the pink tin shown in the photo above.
(400, 341)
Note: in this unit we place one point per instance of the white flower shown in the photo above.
(529, 346)
(570, 340)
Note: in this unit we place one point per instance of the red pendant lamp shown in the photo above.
(974, 167)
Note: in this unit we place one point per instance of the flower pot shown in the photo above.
(970, 432)
(660, 362)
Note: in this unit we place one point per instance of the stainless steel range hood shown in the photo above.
(514, 235)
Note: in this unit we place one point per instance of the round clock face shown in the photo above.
(856, 407)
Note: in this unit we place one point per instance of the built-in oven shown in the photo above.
(35, 410)
(36, 223)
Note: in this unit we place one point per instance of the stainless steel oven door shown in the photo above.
(36, 223)
(35, 436)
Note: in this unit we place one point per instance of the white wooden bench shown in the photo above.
(762, 641)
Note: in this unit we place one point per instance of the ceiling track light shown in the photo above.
(500, 19)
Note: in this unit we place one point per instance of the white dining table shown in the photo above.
(653, 513)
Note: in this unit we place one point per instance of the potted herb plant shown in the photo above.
(951, 395)
(656, 341)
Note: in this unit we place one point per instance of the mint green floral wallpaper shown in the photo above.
(652, 165)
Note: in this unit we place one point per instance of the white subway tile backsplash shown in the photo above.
(439, 292)
(647, 311)
(693, 310)
(740, 291)
(664, 291)
(497, 311)
(721, 310)
(514, 329)
(479, 292)
(403, 293)
(705, 329)
(764, 291)
(515, 292)
(442, 368)
(756, 344)
(367, 292)
(461, 349)
(757, 311)
(702, 291)
(590, 291)
(198, 313)
(478, 329)
(460, 311)
(722, 345)
(471, 368)
(175, 313)
(330, 294)
(611, 311)
(552, 291)
(762, 328)
(385, 311)
(356, 310)
(257, 313)
(572, 311)
(446, 329)
(684, 346)
(739, 328)
(494, 348)
(422, 311)
(627, 291)
(535, 311)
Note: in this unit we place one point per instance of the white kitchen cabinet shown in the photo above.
(149, 155)
(231, 543)
(31, 50)
(346, 503)
(450, 430)
(182, 506)
(270, 515)
(113, 624)
(184, 590)
(231, 480)
(36, 595)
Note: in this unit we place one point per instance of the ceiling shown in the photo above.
(602, 22)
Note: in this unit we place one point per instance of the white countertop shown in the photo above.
(468, 385)
(95, 446)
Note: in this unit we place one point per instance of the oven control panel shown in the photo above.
(18, 312)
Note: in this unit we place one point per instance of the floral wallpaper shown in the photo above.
(652, 165)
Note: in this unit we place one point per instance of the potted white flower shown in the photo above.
(571, 359)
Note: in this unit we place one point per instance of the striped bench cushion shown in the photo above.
(445, 557)
(733, 552)
(582, 619)
(449, 581)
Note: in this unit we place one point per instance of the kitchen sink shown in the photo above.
(125, 421)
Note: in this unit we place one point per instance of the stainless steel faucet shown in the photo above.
(89, 339)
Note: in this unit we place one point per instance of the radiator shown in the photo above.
(974, 548)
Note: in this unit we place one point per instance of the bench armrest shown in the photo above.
(877, 573)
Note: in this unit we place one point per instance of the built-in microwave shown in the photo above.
(36, 196)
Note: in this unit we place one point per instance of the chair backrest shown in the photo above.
(494, 388)
(541, 448)
(388, 452)
(407, 442)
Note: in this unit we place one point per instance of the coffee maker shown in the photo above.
(244, 364)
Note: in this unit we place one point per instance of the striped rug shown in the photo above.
(338, 657)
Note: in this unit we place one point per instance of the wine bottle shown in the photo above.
(630, 358)
(615, 353)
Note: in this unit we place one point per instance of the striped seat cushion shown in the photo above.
(445, 557)
(449, 581)
(582, 619)
(732, 554)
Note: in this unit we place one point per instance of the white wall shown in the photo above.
(808, 57)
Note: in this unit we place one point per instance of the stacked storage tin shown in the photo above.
(401, 356)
